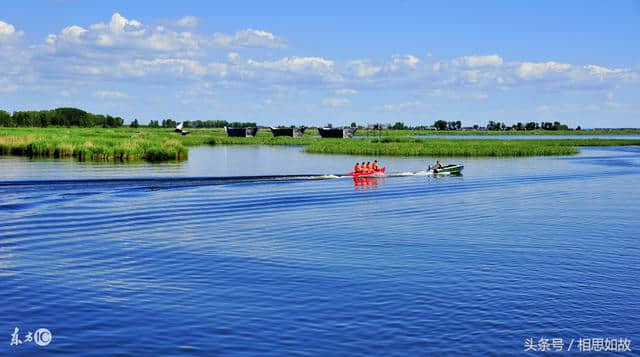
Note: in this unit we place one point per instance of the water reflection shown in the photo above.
(367, 183)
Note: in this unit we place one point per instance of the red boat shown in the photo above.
(376, 173)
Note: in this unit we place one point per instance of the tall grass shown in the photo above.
(458, 147)
(94, 143)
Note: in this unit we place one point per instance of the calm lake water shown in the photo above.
(164, 259)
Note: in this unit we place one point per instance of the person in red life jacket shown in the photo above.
(375, 165)
(356, 169)
(368, 167)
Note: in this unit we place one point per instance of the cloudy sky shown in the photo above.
(315, 63)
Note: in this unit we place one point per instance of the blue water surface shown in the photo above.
(409, 265)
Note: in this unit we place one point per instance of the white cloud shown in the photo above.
(187, 21)
(8, 32)
(121, 24)
(295, 64)
(73, 31)
(406, 61)
(363, 69)
(604, 72)
(532, 70)
(291, 70)
(174, 66)
(248, 38)
(127, 35)
(335, 102)
(126, 49)
(110, 94)
(233, 57)
(478, 61)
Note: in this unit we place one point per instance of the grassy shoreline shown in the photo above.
(128, 144)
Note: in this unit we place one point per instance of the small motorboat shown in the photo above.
(376, 173)
(451, 169)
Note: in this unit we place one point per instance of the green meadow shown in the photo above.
(161, 144)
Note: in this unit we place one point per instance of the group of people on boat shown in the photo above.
(366, 167)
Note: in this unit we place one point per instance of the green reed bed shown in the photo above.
(96, 143)
(458, 147)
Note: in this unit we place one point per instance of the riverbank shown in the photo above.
(161, 144)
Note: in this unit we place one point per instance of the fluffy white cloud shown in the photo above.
(133, 36)
(400, 62)
(363, 69)
(73, 32)
(295, 64)
(604, 72)
(249, 38)
(126, 49)
(163, 66)
(532, 70)
(8, 32)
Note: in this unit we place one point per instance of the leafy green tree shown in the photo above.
(440, 125)
(5, 119)
(135, 124)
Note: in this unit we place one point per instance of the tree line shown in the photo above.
(491, 125)
(556, 125)
(58, 117)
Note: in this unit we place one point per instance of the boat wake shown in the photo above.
(176, 182)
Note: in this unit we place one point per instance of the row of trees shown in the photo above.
(58, 117)
(447, 125)
(556, 125)
(492, 125)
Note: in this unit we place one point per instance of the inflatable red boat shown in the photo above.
(377, 173)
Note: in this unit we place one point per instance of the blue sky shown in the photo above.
(314, 63)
